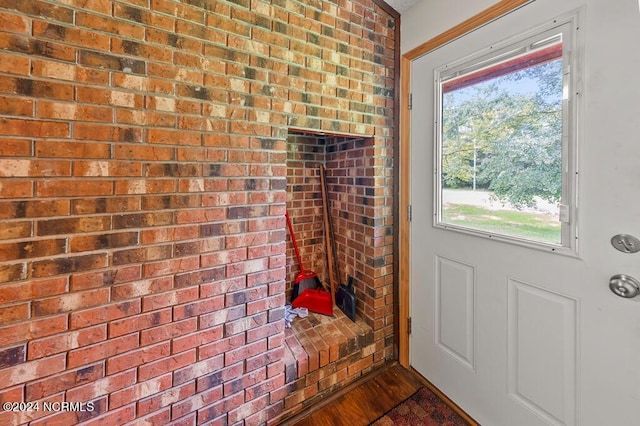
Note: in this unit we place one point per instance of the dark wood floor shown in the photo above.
(368, 399)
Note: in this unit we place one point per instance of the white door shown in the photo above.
(517, 334)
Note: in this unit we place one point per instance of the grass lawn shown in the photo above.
(532, 226)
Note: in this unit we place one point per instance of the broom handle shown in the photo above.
(293, 239)
(327, 232)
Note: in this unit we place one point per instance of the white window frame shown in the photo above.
(572, 94)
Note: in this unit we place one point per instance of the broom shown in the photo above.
(306, 278)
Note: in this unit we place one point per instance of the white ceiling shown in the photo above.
(401, 5)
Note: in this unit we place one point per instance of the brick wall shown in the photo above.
(360, 180)
(142, 192)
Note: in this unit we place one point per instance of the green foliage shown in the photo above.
(514, 134)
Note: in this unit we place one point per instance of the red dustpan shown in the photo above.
(307, 289)
(316, 300)
(306, 278)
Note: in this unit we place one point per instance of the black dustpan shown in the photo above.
(346, 299)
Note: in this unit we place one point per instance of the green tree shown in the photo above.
(515, 136)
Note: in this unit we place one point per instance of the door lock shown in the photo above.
(624, 286)
(625, 243)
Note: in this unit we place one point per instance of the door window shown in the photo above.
(506, 142)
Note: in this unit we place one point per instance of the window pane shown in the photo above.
(501, 147)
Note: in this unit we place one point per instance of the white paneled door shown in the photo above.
(517, 332)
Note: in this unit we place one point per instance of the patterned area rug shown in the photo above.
(421, 408)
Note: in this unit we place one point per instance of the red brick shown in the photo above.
(104, 168)
(247, 409)
(197, 339)
(222, 407)
(15, 147)
(265, 304)
(222, 316)
(138, 357)
(233, 356)
(166, 398)
(129, 152)
(145, 118)
(246, 296)
(169, 267)
(139, 322)
(63, 381)
(202, 215)
(73, 225)
(157, 235)
(264, 331)
(145, 186)
(163, 300)
(72, 188)
(11, 230)
(34, 128)
(64, 149)
(141, 288)
(200, 276)
(12, 394)
(28, 417)
(224, 257)
(140, 390)
(116, 98)
(243, 381)
(64, 342)
(35, 208)
(22, 291)
(103, 314)
(360, 365)
(103, 386)
(63, 71)
(119, 416)
(70, 302)
(32, 370)
(13, 313)
(141, 220)
(74, 111)
(16, 189)
(197, 369)
(162, 417)
(16, 106)
(168, 331)
(13, 64)
(71, 35)
(105, 205)
(143, 254)
(104, 24)
(33, 329)
(89, 354)
(196, 402)
(198, 308)
(96, 132)
(36, 47)
(104, 241)
(221, 346)
(167, 364)
(79, 416)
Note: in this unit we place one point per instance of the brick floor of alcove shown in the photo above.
(323, 353)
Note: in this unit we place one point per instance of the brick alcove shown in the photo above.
(323, 352)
